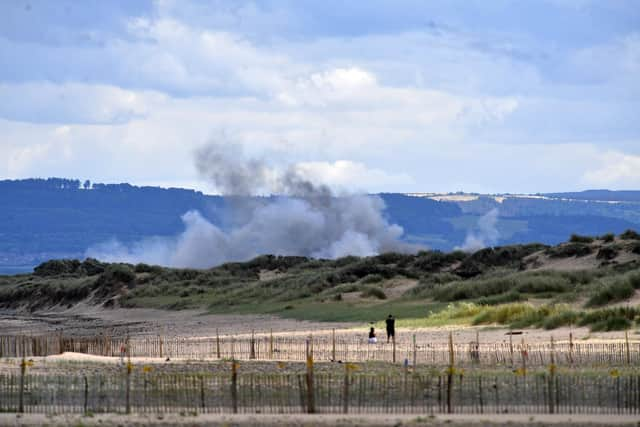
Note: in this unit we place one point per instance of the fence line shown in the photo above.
(325, 348)
(148, 392)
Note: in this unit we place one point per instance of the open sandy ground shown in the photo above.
(315, 420)
(92, 321)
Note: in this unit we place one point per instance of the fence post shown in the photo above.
(128, 385)
(450, 373)
(345, 392)
(415, 350)
(571, 348)
(86, 395)
(217, 344)
(160, 342)
(311, 406)
(511, 346)
(524, 354)
(202, 405)
(333, 344)
(393, 343)
(23, 369)
(271, 344)
(626, 345)
(252, 350)
(234, 386)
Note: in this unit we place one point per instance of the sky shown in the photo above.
(379, 96)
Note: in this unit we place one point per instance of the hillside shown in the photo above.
(61, 218)
(586, 281)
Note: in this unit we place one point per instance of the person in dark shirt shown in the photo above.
(372, 336)
(391, 328)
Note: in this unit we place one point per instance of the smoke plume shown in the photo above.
(486, 234)
(303, 219)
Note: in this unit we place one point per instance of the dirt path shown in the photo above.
(316, 420)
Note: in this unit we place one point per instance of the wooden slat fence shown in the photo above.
(346, 348)
(332, 393)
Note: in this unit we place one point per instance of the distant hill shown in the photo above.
(600, 195)
(42, 219)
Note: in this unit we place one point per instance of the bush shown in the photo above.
(503, 314)
(372, 278)
(570, 250)
(607, 253)
(373, 292)
(635, 248)
(608, 238)
(618, 290)
(93, 267)
(146, 268)
(56, 267)
(537, 283)
(615, 323)
(512, 296)
(562, 318)
(113, 278)
(432, 261)
(576, 238)
(630, 235)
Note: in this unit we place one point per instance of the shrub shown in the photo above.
(114, 277)
(506, 313)
(511, 296)
(374, 292)
(615, 323)
(432, 261)
(392, 258)
(562, 318)
(469, 289)
(604, 314)
(146, 268)
(57, 267)
(569, 250)
(607, 253)
(608, 238)
(372, 278)
(635, 248)
(93, 267)
(630, 235)
(617, 290)
(542, 282)
(576, 238)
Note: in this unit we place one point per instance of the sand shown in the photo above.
(287, 420)
(84, 320)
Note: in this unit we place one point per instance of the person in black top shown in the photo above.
(372, 336)
(391, 328)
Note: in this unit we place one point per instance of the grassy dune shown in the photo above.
(591, 281)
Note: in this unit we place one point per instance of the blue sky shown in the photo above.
(409, 96)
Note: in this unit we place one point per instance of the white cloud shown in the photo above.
(434, 109)
(44, 102)
(352, 176)
(617, 170)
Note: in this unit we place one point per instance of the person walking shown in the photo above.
(391, 328)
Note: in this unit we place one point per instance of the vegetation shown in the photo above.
(576, 238)
(630, 235)
(511, 285)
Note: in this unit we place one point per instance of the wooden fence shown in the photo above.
(150, 392)
(326, 348)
